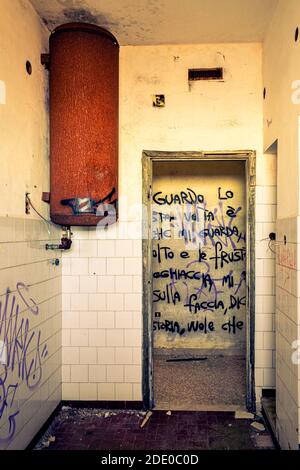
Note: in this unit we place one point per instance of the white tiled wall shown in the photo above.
(265, 223)
(102, 327)
(30, 327)
(287, 331)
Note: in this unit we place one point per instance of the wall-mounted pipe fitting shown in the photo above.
(65, 242)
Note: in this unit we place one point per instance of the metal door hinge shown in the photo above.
(45, 61)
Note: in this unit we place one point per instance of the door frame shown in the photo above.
(148, 158)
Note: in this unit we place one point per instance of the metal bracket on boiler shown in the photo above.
(45, 60)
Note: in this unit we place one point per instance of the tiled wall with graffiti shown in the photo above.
(30, 329)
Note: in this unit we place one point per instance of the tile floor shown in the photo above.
(94, 429)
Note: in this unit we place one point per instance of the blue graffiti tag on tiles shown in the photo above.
(22, 354)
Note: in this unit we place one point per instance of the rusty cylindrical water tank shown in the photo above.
(84, 101)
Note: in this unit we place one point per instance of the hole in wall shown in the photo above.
(265, 93)
(28, 67)
(296, 34)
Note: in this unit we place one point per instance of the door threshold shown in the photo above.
(215, 408)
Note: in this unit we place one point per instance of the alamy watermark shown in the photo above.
(296, 354)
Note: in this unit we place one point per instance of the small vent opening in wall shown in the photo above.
(206, 74)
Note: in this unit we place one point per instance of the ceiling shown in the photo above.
(145, 22)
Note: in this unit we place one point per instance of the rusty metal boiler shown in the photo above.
(84, 101)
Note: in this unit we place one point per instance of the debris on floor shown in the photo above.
(243, 415)
(186, 359)
(146, 419)
(263, 441)
(68, 414)
(103, 429)
(194, 384)
(46, 443)
(258, 426)
(65, 408)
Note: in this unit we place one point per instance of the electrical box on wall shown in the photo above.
(158, 101)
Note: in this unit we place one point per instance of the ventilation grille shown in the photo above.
(206, 74)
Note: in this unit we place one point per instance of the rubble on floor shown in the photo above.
(98, 429)
(243, 415)
(146, 419)
(258, 426)
(66, 414)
